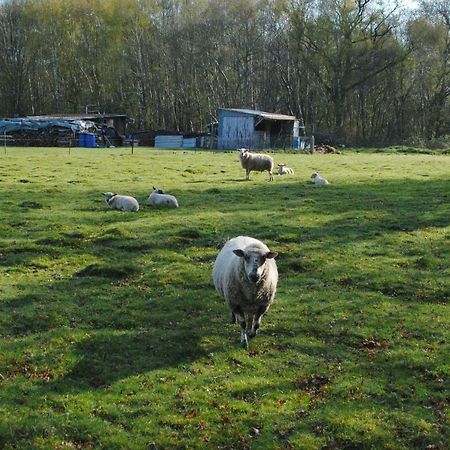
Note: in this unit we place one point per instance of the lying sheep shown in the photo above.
(121, 202)
(317, 179)
(160, 200)
(245, 273)
(256, 161)
(283, 170)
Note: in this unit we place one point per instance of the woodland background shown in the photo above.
(362, 72)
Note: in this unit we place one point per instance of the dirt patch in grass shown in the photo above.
(31, 205)
(190, 233)
(113, 272)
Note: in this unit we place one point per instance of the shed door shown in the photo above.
(237, 132)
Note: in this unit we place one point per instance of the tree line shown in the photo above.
(355, 70)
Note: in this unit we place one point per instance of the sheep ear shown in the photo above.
(239, 252)
(271, 255)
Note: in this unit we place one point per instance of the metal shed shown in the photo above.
(255, 129)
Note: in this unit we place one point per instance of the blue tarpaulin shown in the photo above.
(9, 125)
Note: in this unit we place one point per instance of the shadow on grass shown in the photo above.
(127, 314)
(350, 213)
(398, 201)
(107, 356)
(101, 297)
(124, 333)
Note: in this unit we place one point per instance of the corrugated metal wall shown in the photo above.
(175, 141)
(235, 130)
(254, 129)
(169, 141)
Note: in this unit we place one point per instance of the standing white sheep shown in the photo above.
(160, 200)
(121, 202)
(245, 273)
(255, 161)
(317, 179)
(283, 170)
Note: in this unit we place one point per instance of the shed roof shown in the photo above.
(263, 114)
(77, 116)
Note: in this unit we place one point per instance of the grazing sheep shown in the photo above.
(256, 161)
(121, 202)
(160, 200)
(283, 170)
(317, 179)
(245, 273)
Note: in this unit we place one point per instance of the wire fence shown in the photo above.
(207, 142)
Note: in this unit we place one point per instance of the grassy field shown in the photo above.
(113, 337)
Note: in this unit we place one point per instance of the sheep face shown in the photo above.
(157, 191)
(243, 153)
(254, 262)
(108, 196)
(314, 175)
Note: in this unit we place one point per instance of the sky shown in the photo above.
(410, 3)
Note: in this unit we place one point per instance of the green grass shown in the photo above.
(113, 337)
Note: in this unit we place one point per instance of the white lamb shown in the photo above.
(121, 202)
(283, 170)
(160, 200)
(245, 273)
(317, 179)
(255, 161)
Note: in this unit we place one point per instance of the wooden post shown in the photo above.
(311, 144)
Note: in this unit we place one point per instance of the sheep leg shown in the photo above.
(244, 337)
(233, 318)
(248, 323)
(256, 322)
(247, 173)
(270, 175)
(240, 317)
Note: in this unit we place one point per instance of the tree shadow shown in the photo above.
(102, 298)
(107, 356)
(404, 205)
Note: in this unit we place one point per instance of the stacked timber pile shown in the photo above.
(52, 136)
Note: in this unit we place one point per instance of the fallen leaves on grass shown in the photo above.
(371, 344)
(31, 372)
(314, 384)
(191, 414)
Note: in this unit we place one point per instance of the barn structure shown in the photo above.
(255, 129)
